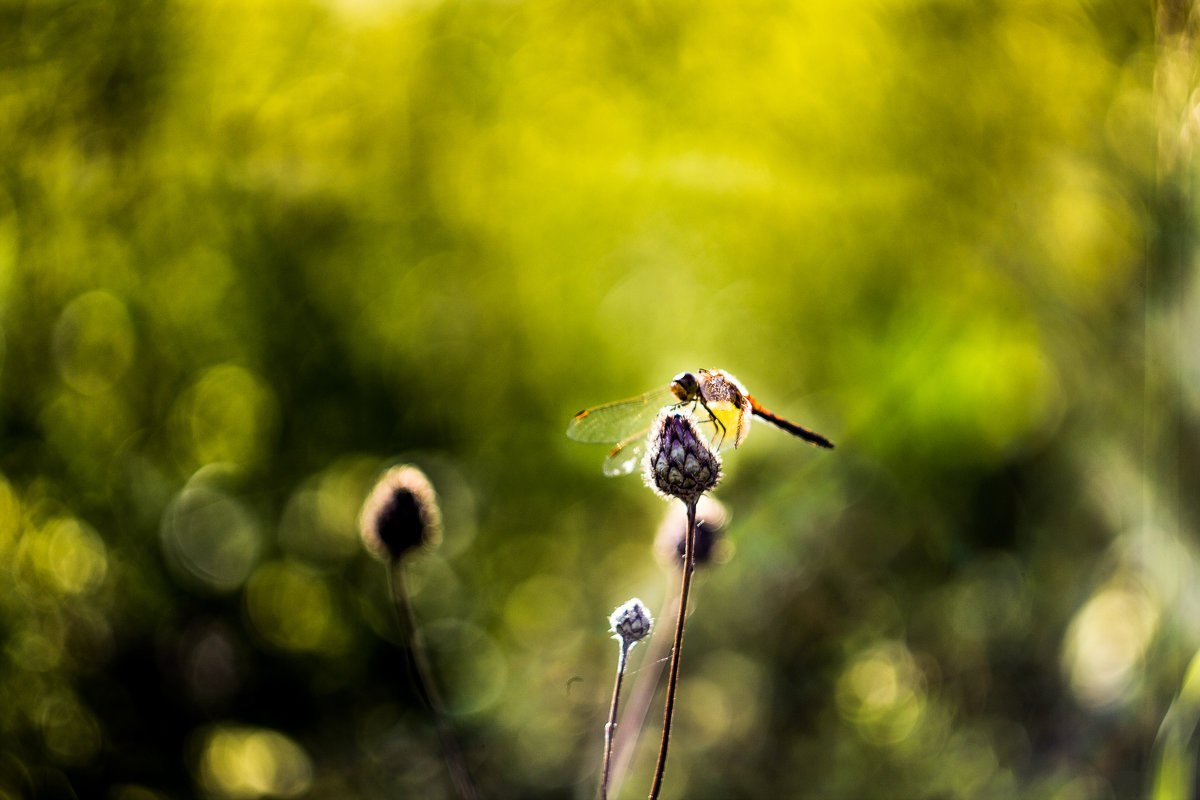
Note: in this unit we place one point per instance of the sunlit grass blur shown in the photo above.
(252, 253)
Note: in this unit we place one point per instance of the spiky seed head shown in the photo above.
(401, 514)
(680, 463)
(631, 622)
(669, 544)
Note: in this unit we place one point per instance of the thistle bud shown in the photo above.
(400, 514)
(680, 463)
(631, 623)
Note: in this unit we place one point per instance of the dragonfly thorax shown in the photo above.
(726, 404)
(718, 386)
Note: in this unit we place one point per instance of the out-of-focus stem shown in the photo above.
(456, 764)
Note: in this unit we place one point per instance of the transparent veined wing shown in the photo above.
(626, 456)
(619, 421)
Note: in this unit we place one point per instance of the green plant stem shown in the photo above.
(688, 566)
(456, 764)
(634, 717)
(611, 728)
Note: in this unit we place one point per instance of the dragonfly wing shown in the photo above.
(627, 455)
(614, 422)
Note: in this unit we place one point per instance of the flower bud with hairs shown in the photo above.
(401, 514)
(630, 623)
(680, 462)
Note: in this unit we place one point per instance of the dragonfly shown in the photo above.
(721, 405)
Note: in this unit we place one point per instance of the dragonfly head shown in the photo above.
(685, 387)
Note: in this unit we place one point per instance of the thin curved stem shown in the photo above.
(611, 728)
(689, 565)
(456, 764)
(633, 719)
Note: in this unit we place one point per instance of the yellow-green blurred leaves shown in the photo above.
(470, 660)
(227, 416)
(238, 762)
(86, 418)
(1090, 231)
(57, 571)
(320, 521)
(211, 540)
(58, 558)
(198, 284)
(1175, 771)
(725, 700)
(10, 520)
(75, 555)
(69, 730)
(93, 342)
(967, 378)
(882, 693)
(1107, 641)
(86, 431)
(293, 608)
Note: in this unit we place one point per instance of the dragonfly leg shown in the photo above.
(720, 425)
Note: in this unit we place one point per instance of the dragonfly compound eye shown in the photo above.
(685, 387)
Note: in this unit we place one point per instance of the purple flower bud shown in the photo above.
(680, 463)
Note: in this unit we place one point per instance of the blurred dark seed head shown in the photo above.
(631, 622)
(680, 462)
(711, 519)
(400, 514)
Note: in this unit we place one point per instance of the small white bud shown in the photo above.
(631, 622)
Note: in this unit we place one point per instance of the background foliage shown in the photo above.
(252, 252)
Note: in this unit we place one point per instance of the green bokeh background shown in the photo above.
(250, 253)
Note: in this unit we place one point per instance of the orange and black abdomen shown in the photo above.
(812, 437)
